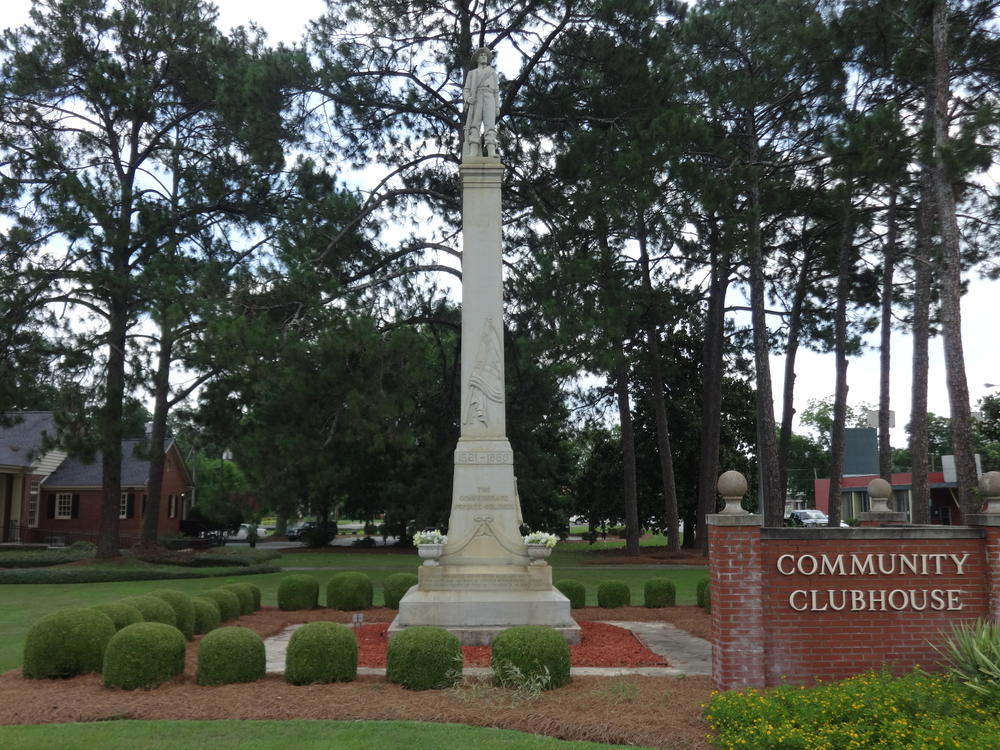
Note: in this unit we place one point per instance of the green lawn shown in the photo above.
(567, 561)
(23, 604)
(276, 735)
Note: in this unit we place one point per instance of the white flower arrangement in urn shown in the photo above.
(429, 537)
(430, 545)
(540, 544)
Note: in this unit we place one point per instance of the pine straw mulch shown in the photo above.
(633, 710)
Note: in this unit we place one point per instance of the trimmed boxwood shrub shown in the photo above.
(701, 593)
(424, 657)
(153, 609)
(244, 594)
(349, 591)
(183, 608)
(66, 643)
(321, 652)
(144, 655)
(228, 655)
(298, 591)
(611, 594)
(207, 615)
(532, 649)
(659, 592)
(575, 591)
(122, 614)
(255, 590)
(229, 603)
(394, 588)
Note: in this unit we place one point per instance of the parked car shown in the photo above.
(809, 517)
(294, 532)
(300, 531)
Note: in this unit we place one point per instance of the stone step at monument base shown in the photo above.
(474, 575)
(477, 617)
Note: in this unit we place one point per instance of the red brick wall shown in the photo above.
(800, 639)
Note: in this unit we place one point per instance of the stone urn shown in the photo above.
(430, 553)
(538, 553)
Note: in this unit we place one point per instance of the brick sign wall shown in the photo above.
(792, 605)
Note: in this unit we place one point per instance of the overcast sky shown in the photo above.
(286, 22)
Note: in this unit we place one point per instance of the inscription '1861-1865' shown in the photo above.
(484, 457)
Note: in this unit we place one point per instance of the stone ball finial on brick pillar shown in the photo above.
(989, 485)
(732, 486)
(879, 492)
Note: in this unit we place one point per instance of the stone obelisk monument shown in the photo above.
(484, 582)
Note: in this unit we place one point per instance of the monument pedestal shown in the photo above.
(484, 582)
(477, 602)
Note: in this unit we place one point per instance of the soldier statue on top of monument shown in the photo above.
(482, 101)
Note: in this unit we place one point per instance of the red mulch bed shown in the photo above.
(601, 645)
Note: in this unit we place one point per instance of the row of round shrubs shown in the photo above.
(69, 642)
(419, 658)
(144, 654)
(347, 591)
(656, 592)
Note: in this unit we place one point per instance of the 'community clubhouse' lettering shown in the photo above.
(875, 564)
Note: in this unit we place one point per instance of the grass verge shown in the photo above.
(276, 735)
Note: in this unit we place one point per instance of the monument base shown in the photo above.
(476, 603)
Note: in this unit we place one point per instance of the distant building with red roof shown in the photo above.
(854, 496)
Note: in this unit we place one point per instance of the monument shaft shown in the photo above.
(485, 512)
(483, 398)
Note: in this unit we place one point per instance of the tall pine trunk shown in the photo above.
(769, 489)
(157, 439)
(951, 275)
(712, 357)
(670, 514)
(885, 343)
(788, 387)
(844, 265)
(631, 496)
(920, 499)
(108, 539)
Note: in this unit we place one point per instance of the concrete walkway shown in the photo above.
(686, 654)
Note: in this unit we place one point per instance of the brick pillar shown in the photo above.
(737, 609)
(989, 484)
